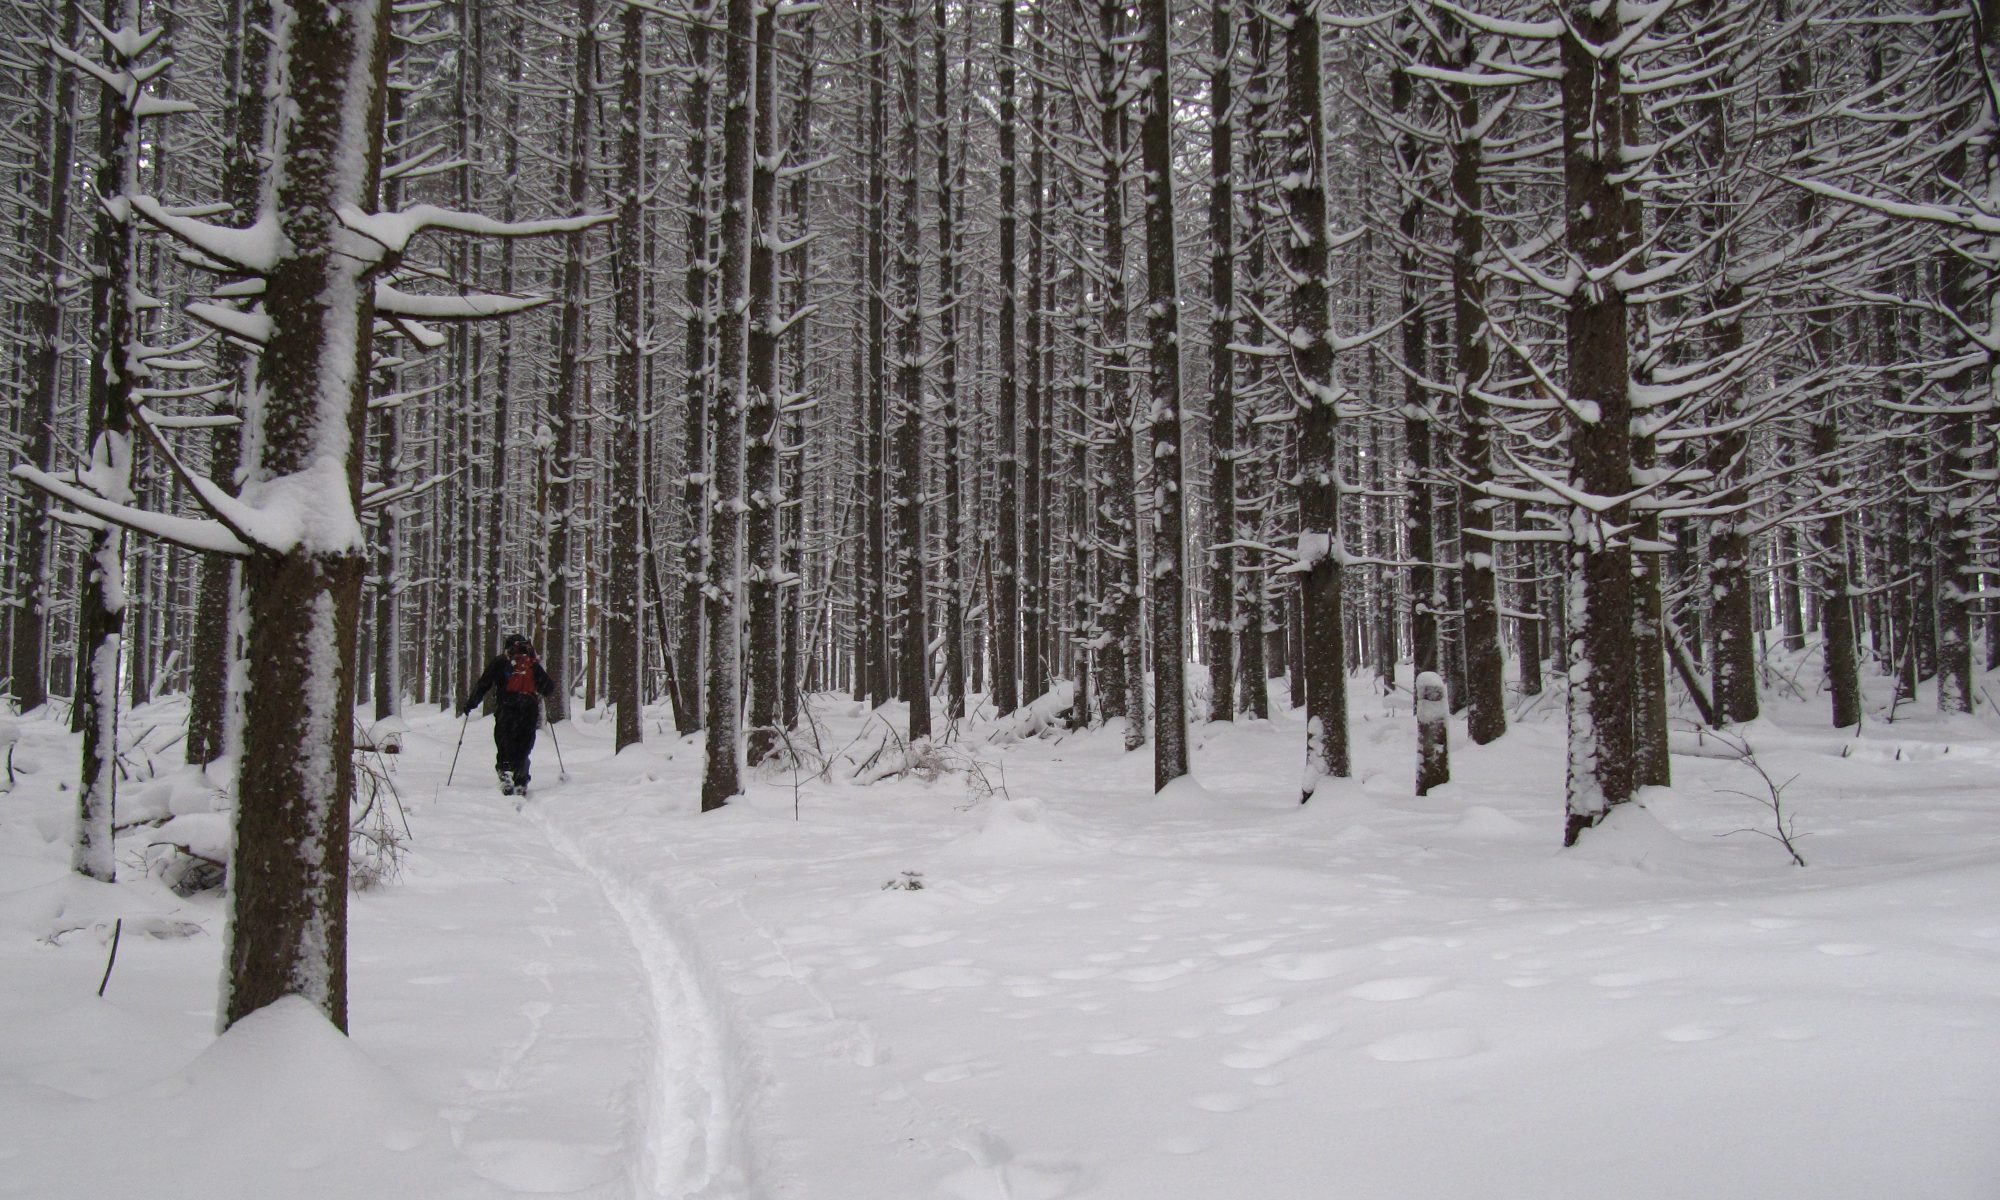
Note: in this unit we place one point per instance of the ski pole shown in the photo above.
(457, 748)
(562, 772)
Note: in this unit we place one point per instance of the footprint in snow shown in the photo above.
(1122, 1048)
(931, 979)
(1259, 1055)
(1426, 1045)
(1846, 949)
(1305, 968)
(954, 1072)
(914, 941)
(1386, 990)
(1156, 972)
(1239, 949)
(1221, 1102)
(1254, 1007)
(1693, 1033)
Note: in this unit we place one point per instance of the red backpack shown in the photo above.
(520, 680)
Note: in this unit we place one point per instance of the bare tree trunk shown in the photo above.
(569, 393)
(1006, 617)
(288, 876)
(910, 500)
(115, 372)
(1600, 586)
(1419, 414)
(1223, 628)
(763, 546)
(1034, 605)
(1166, 588)
(722, 775)
(1306, 253)
(697, 360)
(802, 329)
(625, 658)
(1485, 691)
(875, 596)
(954, 599)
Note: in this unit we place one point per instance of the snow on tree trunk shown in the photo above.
(1303, 183)
(1419, 416)
(1166, 588)
(624, 612)
(697, 361)
(566, 398)
(874, 617)
(801, 140)
(910, 500)
(305, 418)
(1223, 632)
(762, 545)
(1732, 593)
(1006, 617)
(1433, 712)
(1485, 665)
(954, 464)
(722, 775)
(1599, 771)
(1123, 659)
(116, 369)
(1034, 679)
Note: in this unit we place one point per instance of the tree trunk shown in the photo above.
(115, 372)
(1596, 329)
(910, 500)
(1166, 588)
(1223, 629)
(1485, 685)
(288, 875)
(697, 356)
(1304, 183)
(954, 598)
(1006, 615)
(625, 657)
(722, 775)
(763, 546)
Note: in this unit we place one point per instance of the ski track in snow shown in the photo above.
(690, 1143)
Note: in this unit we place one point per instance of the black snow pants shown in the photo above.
(514, 723)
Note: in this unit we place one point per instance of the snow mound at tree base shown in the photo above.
(280, 1105)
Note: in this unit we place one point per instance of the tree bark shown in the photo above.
(1165, 587)
(288, 874)
(625, 656)
(722, 776)
(763, 545)
(1304, 184)
(1596, 330)
(1223, 628)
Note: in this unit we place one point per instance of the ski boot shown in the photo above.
(506, 783)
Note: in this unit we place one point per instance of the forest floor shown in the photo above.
(1013, 974)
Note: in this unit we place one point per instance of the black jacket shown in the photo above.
(495, 677)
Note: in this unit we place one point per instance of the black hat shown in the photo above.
(517, 639)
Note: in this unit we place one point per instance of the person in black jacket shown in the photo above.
(517, 677)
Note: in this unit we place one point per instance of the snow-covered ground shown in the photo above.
(1025, 978)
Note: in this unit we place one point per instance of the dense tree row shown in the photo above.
(1138, 356)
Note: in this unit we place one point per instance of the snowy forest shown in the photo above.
(1232, 406)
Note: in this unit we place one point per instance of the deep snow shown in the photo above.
(1026, 978)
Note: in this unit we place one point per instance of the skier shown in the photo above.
(521, 684)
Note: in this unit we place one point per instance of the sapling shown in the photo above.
(1782, 831)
